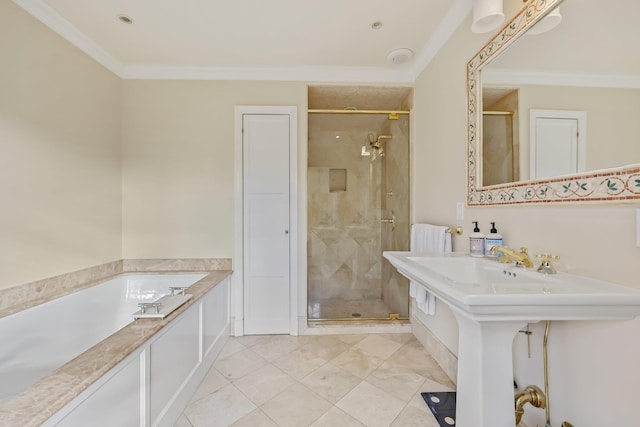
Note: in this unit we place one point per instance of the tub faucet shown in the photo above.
(509, 255)
(145, 305)
(177, 289)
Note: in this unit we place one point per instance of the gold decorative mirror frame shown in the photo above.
(618, 184)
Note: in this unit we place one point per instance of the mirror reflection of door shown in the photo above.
(557, 143)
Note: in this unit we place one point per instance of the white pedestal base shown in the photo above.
(485, 373)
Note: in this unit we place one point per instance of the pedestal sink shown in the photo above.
(492, 302)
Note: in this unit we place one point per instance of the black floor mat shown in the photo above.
(443, 406)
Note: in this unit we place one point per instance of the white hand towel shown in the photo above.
(427, 238)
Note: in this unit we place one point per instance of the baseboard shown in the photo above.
(445, 358)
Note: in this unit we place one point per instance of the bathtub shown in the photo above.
(91, 335)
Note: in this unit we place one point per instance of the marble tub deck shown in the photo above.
(39, 402)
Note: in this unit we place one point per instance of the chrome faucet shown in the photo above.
(177, 289)
(145, 305)
(509, 255)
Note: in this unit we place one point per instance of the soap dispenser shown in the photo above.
(492, 239)
(476, 242)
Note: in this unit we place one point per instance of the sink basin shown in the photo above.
(478, 271)
(485, 287)
(491, 302)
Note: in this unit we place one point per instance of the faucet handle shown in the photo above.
(525, 261)
(546, 266)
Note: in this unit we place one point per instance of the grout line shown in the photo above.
(351, 346)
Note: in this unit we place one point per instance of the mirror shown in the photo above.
(519, 76)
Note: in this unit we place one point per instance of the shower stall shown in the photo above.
(358, 207)
(500, 140)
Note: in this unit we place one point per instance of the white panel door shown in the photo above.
(557, 146)
(266, 223)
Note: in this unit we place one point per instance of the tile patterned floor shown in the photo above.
(320, 380)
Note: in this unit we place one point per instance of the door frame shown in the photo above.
(237, 293)
(579, 116)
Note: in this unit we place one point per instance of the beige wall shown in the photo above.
(595, 240)
(59, 154)
(178, 163)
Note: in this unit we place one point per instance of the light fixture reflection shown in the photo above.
(487, 15)
(547, 23)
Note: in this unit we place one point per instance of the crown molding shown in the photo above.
(508, 77)
(49, 17)
(306, 74)
(443, 32)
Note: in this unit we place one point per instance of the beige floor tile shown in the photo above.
(336, 417)
(357, 362)
(182, 422)
(400, 382)
(371, 406)
(378, 346)
(232, 346)
(296, 406)
(431, 386)
(331, 382)
(275, 346)
(352, 338)
(239, 364)
(326, 347)
(413, 417)
(211, 383)
(264, 384)
(299, 363)
(221, 408)
(414, 357)
(251, 340)
(417, 401)
(440, 377)
(400, 338)
(257, 418)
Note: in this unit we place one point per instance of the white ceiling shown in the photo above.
(317, 40)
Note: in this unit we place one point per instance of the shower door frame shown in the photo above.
(302, 266)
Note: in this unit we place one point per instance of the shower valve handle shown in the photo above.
(391, 220)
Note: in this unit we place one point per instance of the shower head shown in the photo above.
(376, 145)
(375, 142)
(377, 152)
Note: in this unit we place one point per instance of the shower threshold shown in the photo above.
(359, 320)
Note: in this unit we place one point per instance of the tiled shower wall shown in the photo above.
(345, 240)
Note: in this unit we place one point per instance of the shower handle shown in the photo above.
(391, 220)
